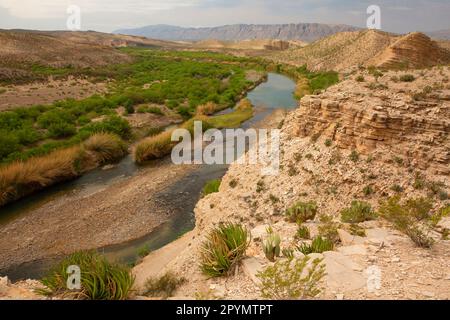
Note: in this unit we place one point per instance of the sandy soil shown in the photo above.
(122, 211)
(48, 92)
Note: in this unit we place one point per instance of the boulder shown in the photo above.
(251, 267)
(347, 239)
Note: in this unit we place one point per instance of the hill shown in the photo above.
(368, 47)
(440, 34)
(302, 31)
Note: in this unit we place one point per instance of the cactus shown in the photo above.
(271, 246)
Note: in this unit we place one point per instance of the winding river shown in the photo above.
(180, 197)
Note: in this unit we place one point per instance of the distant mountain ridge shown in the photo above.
(302, 31)
(440, 34)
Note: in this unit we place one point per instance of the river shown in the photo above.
(179, 197)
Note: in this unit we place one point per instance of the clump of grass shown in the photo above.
(106, 146)
(356, 230)
(292, 279)
(22, 178)
(354, 156)
(207, 109)
(143, 251)
(360, 78)
(406, 217)
(359, 211)
(223, 248)
(260, 186)
(100, 280)
(303, 233)
(274, 199)
(163, 286)
(154, 147)
(407, 78)
(328, 143)
(397, 188)
(211, 187)
(328, 228)
(318, 245)
(302, 212)
(368, 191)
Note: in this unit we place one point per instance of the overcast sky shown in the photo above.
(108, 15)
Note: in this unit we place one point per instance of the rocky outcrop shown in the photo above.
(368, 117)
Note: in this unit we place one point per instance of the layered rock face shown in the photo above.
(367, 117)
(415, 50)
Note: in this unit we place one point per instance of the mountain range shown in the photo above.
(302, 31)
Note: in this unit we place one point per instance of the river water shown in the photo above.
(180, 197)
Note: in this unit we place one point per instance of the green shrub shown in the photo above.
(271, 246)
(328, 228)
(359, 211)
(100, 280)
(9, 143)
(360, 79)
(223, 248)
(144, 251)
(163, 286)
(407, 78)
(292, 279)
(318, 245)
(405, 218)
(354, 156)
(328, 143)
(302, 212)
(356, 230)
(368, 190)
(61, 130)
(211, 187)
(303, 233)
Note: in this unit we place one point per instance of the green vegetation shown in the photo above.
(271, 245)
(354, 156)
(143, 251)
(163, 286)
(356, 230)
(328, 228)
(292, 279)
(359, 211)
(223, 248)
(303, 233)
(407, 218)
(407, 78)
(100, 280)
(211, 187)
(318, 245)
(313, 82)
(302, 212)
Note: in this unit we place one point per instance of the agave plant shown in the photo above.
(223, 248)
(318, 245)
(271, 246)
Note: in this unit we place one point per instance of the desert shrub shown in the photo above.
(318, 245)
(271, 246)
(150, 109)
(303, 233)
(112, 124)
(223, 248)
(302, 212)
(397, 188)
(407, 78)
(328, 143)
(61, 130)
(328, 228)
(27, 135)
(292, 279)
(233, 183)
(163, 286)
(360, 78)
(356, 230)
(9, 143)
(107, 147)
(441, 213)
(368, 190)
(359, 211)
(211, 187)
(405, 218)
(100, 280)
(354, 156)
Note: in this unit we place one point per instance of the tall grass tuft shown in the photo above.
(107, 147)
(223, 248)
(100, 280)
(22, 178)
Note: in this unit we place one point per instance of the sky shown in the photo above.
(399, 16)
